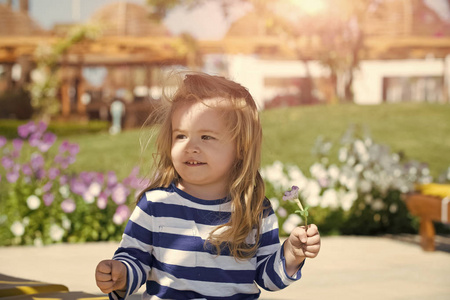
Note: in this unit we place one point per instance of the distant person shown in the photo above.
(203, 229)
(117, 111)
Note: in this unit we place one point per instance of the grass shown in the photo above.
(421, 131)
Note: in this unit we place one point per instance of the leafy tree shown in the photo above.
(44, 87)
(335, 33)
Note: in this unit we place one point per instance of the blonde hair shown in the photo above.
(246, 186)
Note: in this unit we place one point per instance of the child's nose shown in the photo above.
(192, 146)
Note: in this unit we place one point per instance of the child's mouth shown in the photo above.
(194, 163)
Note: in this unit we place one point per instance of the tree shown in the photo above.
(45, 78)
(334, 33)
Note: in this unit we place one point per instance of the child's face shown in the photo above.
(202, 150)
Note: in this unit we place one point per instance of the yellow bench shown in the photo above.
(430, 203)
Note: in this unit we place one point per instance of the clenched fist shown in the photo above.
(111, 275)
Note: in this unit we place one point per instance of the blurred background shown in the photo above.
(353, 98)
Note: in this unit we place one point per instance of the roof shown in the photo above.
(397, 18)
(128, 19)
(17, 23)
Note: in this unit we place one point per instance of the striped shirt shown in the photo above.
(163, 246)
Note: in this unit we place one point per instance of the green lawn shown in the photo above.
(421, 131)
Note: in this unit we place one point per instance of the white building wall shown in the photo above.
(250, 71)
(368, 80)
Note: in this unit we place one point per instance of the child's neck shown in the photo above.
(203, 192)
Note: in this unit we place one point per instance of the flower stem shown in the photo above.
(301, 208)
(299, 204)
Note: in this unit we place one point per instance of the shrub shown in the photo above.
(8, 128)
(359, 195)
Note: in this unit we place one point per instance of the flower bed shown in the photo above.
(361, 194)
(43, 201)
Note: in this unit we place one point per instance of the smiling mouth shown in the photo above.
(194, 163)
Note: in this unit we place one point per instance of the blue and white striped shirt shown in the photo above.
(163, 246)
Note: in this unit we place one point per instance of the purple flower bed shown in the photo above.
(43, 201)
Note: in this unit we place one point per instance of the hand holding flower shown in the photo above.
(303, 241)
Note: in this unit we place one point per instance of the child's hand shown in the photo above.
(301, 243)
(111, 275)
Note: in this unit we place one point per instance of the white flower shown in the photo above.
(275, 203)
(330, 199)
(88, 197)
(333, 172)
(291, 222)
(282, 212)
(343, 154)
(365, 186)
(313, 200)
(275, 175)
(64, 191)
(56, 233)
(377, 205)
(66, 223)
(26, 221)
(312, 188)
(94, 189)
(296, 177)
(318, 171)
(368, 199)
(38, 242)
(393, 208)
(347, 199)
(17, 228)
(358, 168)
(33, 202)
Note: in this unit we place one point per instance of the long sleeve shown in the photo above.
(136, 247)
(271, 267)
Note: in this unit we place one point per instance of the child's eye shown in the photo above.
(180, 136)
(207, 137)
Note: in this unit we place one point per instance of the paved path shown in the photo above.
(346, 268)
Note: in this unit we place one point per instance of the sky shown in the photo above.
(207, 23)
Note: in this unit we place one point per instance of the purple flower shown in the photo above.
(12, 176)
(37, 161)
(63, 147)
(47, 187)
(42, 126)
(48, 199)
(102, 200)
(77, 186)
(3, 141)
(120, 194)
(17, 144)
(7, 162)
(34, 140)
(47, 141)
(64, 179)
(26, 170)
(112, 179)
(121, 215)
(68, 206)
(40, 173)
(26, 129)
(292, 194)
(74, 149)
(53, 173)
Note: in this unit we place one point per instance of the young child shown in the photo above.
(203, 229)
